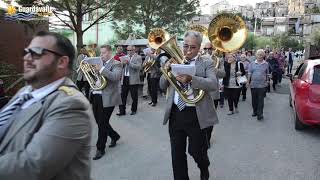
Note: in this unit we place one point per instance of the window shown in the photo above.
(316, 75)
(301, 70)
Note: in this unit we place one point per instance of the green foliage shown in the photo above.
(26, 3)
(171, 15)
(315, 38)
(250, 42)
(10, 70)
(286, 41)
(263, 41)
(72, 13)
(315, 10)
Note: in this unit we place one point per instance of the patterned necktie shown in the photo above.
(181, 104)
(7, 114)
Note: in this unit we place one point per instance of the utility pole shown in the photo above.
(255, 26)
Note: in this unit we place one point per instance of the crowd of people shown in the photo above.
(45, 129)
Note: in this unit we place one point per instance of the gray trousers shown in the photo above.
(258, 95)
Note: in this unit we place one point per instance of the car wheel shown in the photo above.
(298, 124)
(290, 100)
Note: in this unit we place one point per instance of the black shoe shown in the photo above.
(114, 142)
(133, 113)
(153, 104)
(260, 118)
(254, 114)
(204, 174)
(121, 114)
(98, 155)
(150, 103)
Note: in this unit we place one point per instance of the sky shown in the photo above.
(205, 4)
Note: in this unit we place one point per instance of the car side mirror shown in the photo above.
(293, 77)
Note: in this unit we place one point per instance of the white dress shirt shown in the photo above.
(191, 96)
(127, 66)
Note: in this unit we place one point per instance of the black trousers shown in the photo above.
(289, 68)
(233, 95)
(219, 101)
(124, 94)
(153, 86)
(102, 116)
(244, 91)
(274, 81)
(258, 95)
(85, 85)
(182, 125)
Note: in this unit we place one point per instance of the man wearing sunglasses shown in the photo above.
(45, 129)
(189, 121)
(130, 81)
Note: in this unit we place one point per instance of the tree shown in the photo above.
(286, 41)
(71, 13)
(143, 15)
(250, 42)
(315, 38)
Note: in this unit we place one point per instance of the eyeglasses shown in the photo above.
(207, 49)
(129, 50)
(186, 46)
(38, 52)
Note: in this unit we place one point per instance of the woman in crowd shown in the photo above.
(232, 88)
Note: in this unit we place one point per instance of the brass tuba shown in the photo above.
(227, 32)
(160, 39)
(149, 62)
(95, 79)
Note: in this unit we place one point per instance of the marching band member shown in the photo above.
(153, 77)
(104, 101)
(130, 81)
(190, 120)
(45, 129)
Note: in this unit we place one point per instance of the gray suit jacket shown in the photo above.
(50, 140)
(80, 76)
(111, 94)
(134, 69)
(204, 79)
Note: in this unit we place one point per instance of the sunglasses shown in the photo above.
(129, 50)
(38, 52)
(207, 49)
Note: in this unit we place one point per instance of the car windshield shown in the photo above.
(316, 75)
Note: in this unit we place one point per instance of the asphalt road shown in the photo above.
(243, 148)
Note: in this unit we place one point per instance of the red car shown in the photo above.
(305, 94)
